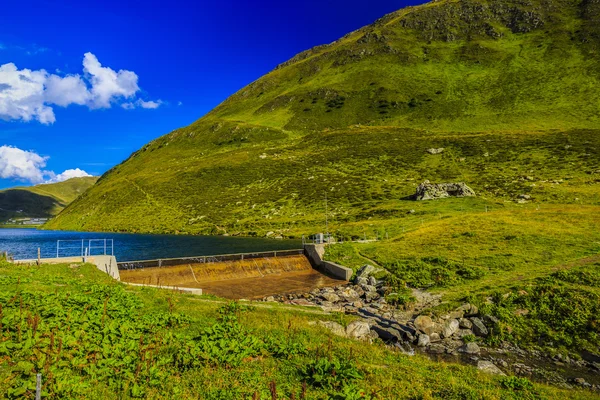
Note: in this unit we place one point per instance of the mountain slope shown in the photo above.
(508, 88)
(41, 201)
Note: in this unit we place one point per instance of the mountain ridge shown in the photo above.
(421, 75)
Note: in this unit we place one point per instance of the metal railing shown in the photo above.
(85, 247)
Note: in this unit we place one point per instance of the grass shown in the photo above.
(167, 345)
(508, 89)
(550, 253)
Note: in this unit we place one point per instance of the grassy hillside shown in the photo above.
(41, 201)
(94, 338)
(508, 88)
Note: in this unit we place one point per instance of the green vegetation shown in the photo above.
(41, 201)
(91, 337)
(507, 88)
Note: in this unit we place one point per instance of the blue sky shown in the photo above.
(183, 59)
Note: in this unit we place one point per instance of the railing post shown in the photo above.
(57, 246)
(104, 246)
(81, 247)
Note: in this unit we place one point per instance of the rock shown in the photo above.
(373, 281)
(365, 271)
(411, 212)
(425, 324)
(388, 334)
(579, 381)
(465, 323)
(301, 302)
(349, 295)
(358, 329)
(450, 328)
(435, 337)
(525, 197)
(456, 314)
(463, 332)
(361, 281)
(435, 151)
(371, 296)
(270, 299)
(431, 191)
(469, 348)
(470, 310)
(491, 320)
(489, 368)
(424, 340)
(478, 327)
(436, 349)
(334, 328)
(331, 297)
(369, 288)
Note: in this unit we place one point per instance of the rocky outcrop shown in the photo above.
(432, 191)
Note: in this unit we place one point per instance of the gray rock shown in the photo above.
(388, 334)
(478, 327)
(470, 348)
(489, 368)
(436, 349)
(361, 281)
(331, 297)
(425, 324)
(334, 328)
(372, 281)
(435, 151)
(463, 332)
(371, 296)
(349, 295)
(358, 329)
(424, 340)
(465, 323)
(365, 271)
(368, 288)
(450, 328)
(491, 320)
(435, 337)
(431, 191)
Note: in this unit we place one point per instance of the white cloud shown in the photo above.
(68, 174)
(107, 83)
(23, 165)
(29, 94)
(143, 104)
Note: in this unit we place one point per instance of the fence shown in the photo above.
(78, 248)
(170, 262)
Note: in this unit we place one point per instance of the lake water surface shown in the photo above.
(23, 244)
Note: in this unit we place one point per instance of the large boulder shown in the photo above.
(450, 328)
(331, 297)
(489, 368)
(479, 327)
(431, 191)
(358, 330)
(425, 324)
(470, 348)
(424, 340)
(334, 328)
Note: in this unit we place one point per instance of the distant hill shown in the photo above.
(508, 88)
(41, 201)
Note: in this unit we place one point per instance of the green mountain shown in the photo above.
(41, 201)
(508, 88)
